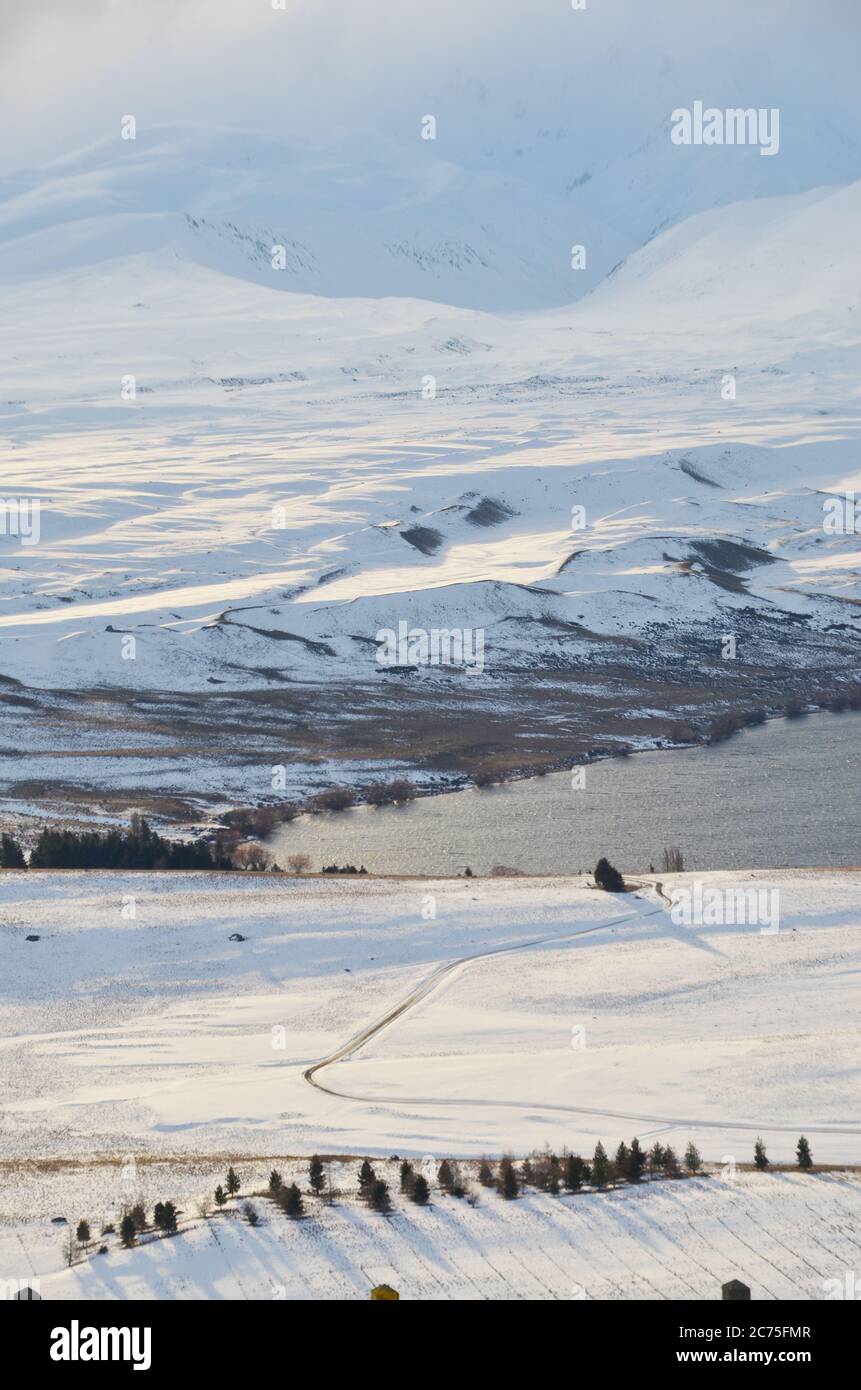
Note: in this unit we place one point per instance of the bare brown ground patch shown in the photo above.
(518, 724)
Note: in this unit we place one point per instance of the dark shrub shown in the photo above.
(608, 878)
(378, 1196)
(420, 1191)
(724, 726)
(335, 799)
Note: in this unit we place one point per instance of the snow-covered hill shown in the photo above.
(615, 484)
(252, 471)
(547, 128)
(278, 489)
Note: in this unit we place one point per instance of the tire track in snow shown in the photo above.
(422, 990)
(443, 972)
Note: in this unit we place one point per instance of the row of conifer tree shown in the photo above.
(547, 1172)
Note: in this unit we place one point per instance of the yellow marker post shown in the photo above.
(384, 1291)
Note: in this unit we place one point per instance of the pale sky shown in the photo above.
(69, 69)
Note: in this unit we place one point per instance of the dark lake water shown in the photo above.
(784, 795)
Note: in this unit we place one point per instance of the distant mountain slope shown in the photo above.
(252, 483)
(761, 285)
(761, 264)
(488, 223)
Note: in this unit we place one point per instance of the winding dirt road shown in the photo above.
(442, 972)
(435, 978)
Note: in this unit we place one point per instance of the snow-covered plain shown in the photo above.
(156, 1034)
(141, 1054)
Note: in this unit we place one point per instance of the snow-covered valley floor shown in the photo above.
(142, 1050)
(135, 1024)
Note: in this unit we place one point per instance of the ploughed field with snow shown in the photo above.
(787, 1235)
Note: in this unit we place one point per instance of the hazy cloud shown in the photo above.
(69, 72)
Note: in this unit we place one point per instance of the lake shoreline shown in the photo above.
(337, 828)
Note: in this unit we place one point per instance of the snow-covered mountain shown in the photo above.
(427, 415)
(457, 225)
(254, 413)
(463, 170)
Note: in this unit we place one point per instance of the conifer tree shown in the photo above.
(232, 1182)
(127, 1232)
(508, 1183)
(655, 1162)
(378, 1196)
(291, 1201)
(575, 1172)
(636, 1162)
(275, 1182)
(600, 1166)
(366, 1177)
(408, 1177)
(693, 1162)
(759, 1155)
(485, 1174)
(803, 1155)
(608, 878)
(82, 1234)
(220, 1196)
(671, 1163)
(11, 853)
(420, 1191)
(445, 1176)
(316, 1176)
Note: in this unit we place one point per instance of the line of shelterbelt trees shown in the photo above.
(139, 847)
(546, 1172)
